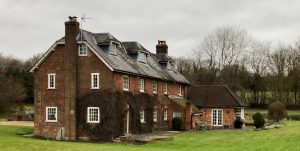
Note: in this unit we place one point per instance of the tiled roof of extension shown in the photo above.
(123, 62)
(214, 96)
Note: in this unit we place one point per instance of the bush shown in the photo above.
(238, 122)
(177, 124)
(276, 111)
(259, 120)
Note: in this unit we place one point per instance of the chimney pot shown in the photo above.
(161, 47)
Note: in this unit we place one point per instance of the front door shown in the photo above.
(217, 117)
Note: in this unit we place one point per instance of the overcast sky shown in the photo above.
(29, 27)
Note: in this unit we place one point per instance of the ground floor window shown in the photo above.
(142, 116)
(217, 117)
(239, 112)
(177, 114)
(93, 115)
(51, 114)
(165, 114)
(155, 115)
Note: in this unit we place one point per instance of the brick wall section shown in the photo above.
(228, 117)
(92, 64)
(45, 97)
(164, 103)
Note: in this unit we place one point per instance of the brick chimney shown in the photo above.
(187, 116)
(70, 76)
(161, 47)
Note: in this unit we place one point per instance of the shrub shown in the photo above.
(259, 120)
(238, 122)
(276, 111)
(177, 124)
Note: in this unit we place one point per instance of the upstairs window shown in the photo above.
(180, 90)
(154, 86)
(51, 81)
(113, 48)
(142, 116)
(93, 115)
(142, 85)
(82, 50)
(142, 57)
(51, 114)
(165, 88)
(125, 83)
(94, 80)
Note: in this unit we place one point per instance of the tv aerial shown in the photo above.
(83, 19)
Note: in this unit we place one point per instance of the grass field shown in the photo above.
(286, 138)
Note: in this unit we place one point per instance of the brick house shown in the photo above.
(217, 106)
(83, 62)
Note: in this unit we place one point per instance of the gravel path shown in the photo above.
(18, 123)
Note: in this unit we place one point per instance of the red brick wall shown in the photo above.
(49, 97)
(108, 79)
(228, 117)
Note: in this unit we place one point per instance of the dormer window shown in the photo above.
(169, 65)
(142, 57)
(113, 48)
(82, 50)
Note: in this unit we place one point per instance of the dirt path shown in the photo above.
(18, 123)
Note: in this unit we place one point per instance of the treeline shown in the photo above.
(16, 82)
(257, 71)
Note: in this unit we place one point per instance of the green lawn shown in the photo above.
(286, 138)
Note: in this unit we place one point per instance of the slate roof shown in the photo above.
(214, 96)
(123, 62)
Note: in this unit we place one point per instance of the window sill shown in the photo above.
(47, 121)
(95, 88)
(93, 122)
(125, 89)
(83, 55)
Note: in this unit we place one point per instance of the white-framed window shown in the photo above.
(51, 81)
(93, 115)
(142, 85)
(113, 47)
(155, 115)
(165, 114)
(154, 86)
(142, 57)
(125, 83)
(180, 90)
(165, 88)
(168, 65)
(82, 50)
(177, 114)
(142, 116)
(239, 112)
(217, 117)
(95, 80)
(51, 114)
